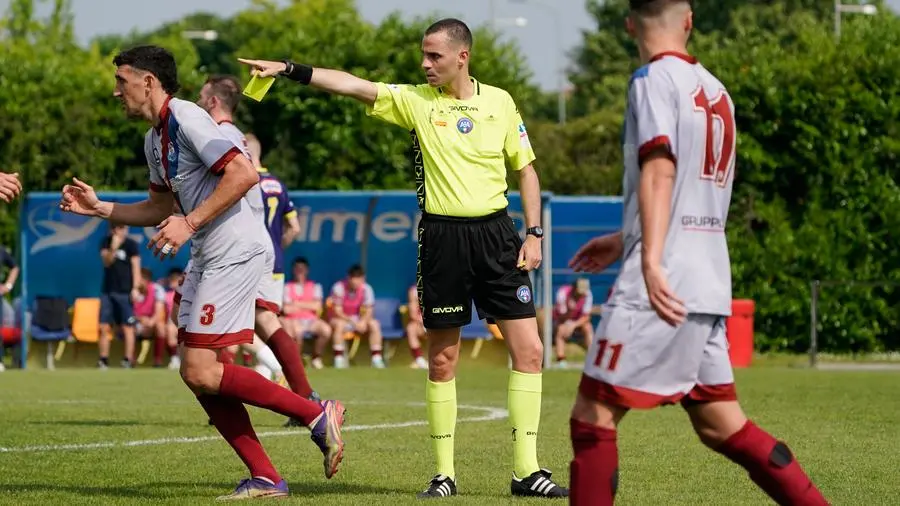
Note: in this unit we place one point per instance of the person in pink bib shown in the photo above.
(572, 313)
(150, 308)
(351, 310)
(303, 299)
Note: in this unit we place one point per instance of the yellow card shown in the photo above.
(258, 87)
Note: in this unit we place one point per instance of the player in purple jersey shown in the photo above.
(661, 339)
(192, 163)
(280, 215)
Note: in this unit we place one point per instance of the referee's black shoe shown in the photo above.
(439, 486)
(537, 484)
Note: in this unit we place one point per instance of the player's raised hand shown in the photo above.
(80, 198)
(173, 233)
(669, 307)
(10, 186)
(597, 254)
(264, 68)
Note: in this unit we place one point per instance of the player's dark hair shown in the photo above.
(356, 271)
(155, 60)
(654, 7)
(456, 31)
(175, 271)
(301, 260)
(147, 274)
(227, 89)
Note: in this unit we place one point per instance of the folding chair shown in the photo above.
(387, 312)
(50, 324)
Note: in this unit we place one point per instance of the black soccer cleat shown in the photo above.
(537, 484)
(439, 486)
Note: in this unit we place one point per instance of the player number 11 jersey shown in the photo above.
(675, 104)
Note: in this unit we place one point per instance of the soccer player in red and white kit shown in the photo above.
(191, 162)
(662, 336)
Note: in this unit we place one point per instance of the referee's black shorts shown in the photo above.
(461, 259)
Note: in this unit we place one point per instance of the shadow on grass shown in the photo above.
(110, 423)
(169, 490)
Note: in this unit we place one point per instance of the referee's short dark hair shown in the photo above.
(654, 7)
(456, 30)
(356, 271)
(155, 60)
(227, 89)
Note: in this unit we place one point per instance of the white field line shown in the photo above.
(490, 414)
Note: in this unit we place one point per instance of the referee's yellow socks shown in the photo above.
(525, 416)
(440, 400)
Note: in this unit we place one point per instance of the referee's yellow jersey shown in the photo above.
(461, 148)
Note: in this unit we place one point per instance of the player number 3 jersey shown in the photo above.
(675, 104)
(186, 155)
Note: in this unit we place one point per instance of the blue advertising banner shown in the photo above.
(61, 251)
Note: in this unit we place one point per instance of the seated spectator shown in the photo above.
(572, 313)
(352, 304)
(150, 310)
(415, 329)
(303, 301)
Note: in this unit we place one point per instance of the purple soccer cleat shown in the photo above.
(256, 488)
(326, 433)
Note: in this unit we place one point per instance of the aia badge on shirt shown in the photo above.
(523, 293)
(464, 125)
(523, 136)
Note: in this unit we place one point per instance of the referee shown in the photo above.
(465, 135)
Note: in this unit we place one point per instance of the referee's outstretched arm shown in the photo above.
(334, 81)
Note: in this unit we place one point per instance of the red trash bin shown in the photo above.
(739, 328)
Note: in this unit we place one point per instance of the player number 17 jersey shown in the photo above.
(677, 106)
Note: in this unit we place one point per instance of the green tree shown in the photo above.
(815, 193)
(315, 140)
(58, 117)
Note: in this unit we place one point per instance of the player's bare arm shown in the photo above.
(80, 198)
(238, 177)
(291, 230)
(108, 255)
(598, 254)
(655, 203)
(135, 276)
(530, 189)
(10, 280)
(330, 80)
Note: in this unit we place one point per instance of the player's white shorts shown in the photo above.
(187, 268)
(218, 305)
(271, 290)
(639, 361)
(270, 293)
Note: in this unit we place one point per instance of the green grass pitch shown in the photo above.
(81, 436)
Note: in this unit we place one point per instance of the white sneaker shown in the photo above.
(378, 362)
(2, 367)
(420, 363)
(317, 363)
(175, 363)
(562, 364)
(340, 362)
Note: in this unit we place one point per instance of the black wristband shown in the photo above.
(297, 72)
